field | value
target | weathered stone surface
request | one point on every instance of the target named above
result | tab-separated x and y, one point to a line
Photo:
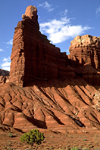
33	56
85	52
4	72
4	76
55	105
4	79
31	12
46	102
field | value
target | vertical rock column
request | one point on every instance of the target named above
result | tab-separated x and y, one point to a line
21	46
17	57
96	61
33	56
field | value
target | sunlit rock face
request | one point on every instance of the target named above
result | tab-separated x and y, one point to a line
35	58
58	95
31	12
86	50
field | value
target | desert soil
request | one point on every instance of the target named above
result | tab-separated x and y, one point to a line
53	141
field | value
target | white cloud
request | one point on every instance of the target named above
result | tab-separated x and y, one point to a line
47	6
6	64
98	10
1	50
64	13
10	42
61	30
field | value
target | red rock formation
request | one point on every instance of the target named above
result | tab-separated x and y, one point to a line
4	76
85	52
56	105
33	56
4	72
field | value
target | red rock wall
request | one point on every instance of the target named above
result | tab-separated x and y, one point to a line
33	56
85	50
85	53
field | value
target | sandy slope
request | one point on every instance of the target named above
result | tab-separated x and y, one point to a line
64	105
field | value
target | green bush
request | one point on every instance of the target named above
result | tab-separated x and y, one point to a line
33	136
74	148
10	135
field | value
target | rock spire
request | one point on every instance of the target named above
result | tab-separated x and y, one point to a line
33	56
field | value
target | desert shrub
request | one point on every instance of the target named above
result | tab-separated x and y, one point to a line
74	148
84	139
33	136
10	135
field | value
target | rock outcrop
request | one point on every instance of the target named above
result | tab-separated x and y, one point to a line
85	53
4	76
33	56
44	101
85	50
4	72
31	12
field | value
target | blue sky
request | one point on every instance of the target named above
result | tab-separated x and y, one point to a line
60	20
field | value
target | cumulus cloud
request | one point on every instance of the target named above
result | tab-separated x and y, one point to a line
47	6
6	64
1	50
61	30
10	42
98	10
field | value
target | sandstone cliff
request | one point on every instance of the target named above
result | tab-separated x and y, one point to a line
47	88
33	56
85	52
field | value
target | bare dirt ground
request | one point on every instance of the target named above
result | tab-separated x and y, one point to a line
89	140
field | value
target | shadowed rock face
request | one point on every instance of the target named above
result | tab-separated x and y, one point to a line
4	76
4	72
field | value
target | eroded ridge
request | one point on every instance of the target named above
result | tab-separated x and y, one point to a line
54	105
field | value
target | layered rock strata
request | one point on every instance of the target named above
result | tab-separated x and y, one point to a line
85	53
85	50
33	56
